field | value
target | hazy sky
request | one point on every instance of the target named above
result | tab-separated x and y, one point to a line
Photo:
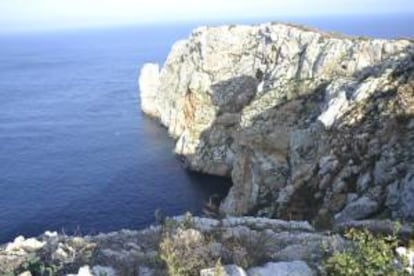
55	14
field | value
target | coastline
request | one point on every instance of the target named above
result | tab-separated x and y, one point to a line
310	158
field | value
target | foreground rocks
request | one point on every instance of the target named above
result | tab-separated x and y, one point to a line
294	268
243	246
137	252
308	125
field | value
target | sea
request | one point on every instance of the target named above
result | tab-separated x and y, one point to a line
77	156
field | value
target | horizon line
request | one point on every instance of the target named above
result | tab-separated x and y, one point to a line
196	23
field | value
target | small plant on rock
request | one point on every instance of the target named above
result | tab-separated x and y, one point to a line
219	269
367	255
37	266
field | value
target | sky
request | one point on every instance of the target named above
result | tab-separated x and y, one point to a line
26	15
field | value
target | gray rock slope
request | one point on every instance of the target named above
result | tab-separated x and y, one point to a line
309	125
129	252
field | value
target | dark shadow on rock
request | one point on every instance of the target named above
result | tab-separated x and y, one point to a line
233	94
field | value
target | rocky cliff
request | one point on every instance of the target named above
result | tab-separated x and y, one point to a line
309	125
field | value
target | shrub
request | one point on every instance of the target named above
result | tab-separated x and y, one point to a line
37	266
184	250
250	249
367	255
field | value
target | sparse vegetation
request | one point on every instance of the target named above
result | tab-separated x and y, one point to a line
185	250
368	255
249	250
219	269
37	266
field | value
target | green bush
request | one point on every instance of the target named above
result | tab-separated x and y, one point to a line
37	266
367	255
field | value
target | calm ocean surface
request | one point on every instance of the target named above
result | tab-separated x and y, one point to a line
76	154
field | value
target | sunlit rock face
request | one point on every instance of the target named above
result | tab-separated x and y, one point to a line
149	81
307	124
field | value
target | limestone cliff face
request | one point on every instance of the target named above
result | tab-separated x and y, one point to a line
308	125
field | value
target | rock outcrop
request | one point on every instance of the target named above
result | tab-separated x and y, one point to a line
249	246
292	247
308	125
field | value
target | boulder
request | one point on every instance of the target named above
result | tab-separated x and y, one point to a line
27	245
295	268
227	270
358	209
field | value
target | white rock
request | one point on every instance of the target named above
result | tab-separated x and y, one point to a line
409	255
229	270
60	254
21	244
50	234
337	103
295	268
83	271
148	85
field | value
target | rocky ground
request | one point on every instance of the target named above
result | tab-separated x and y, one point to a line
259	246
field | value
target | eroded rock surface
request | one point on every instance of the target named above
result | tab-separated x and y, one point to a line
307	124
128	252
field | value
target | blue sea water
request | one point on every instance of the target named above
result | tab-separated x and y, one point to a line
76	153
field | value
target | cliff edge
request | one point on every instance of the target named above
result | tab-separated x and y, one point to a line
308	125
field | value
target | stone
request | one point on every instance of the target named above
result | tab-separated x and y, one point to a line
336	202
83	271
363	182
21	244
145	271
358	209
104	270
228	270
351	197
293	253
295	268
400	197
336	104
327	164
51	234
407	254
407	197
